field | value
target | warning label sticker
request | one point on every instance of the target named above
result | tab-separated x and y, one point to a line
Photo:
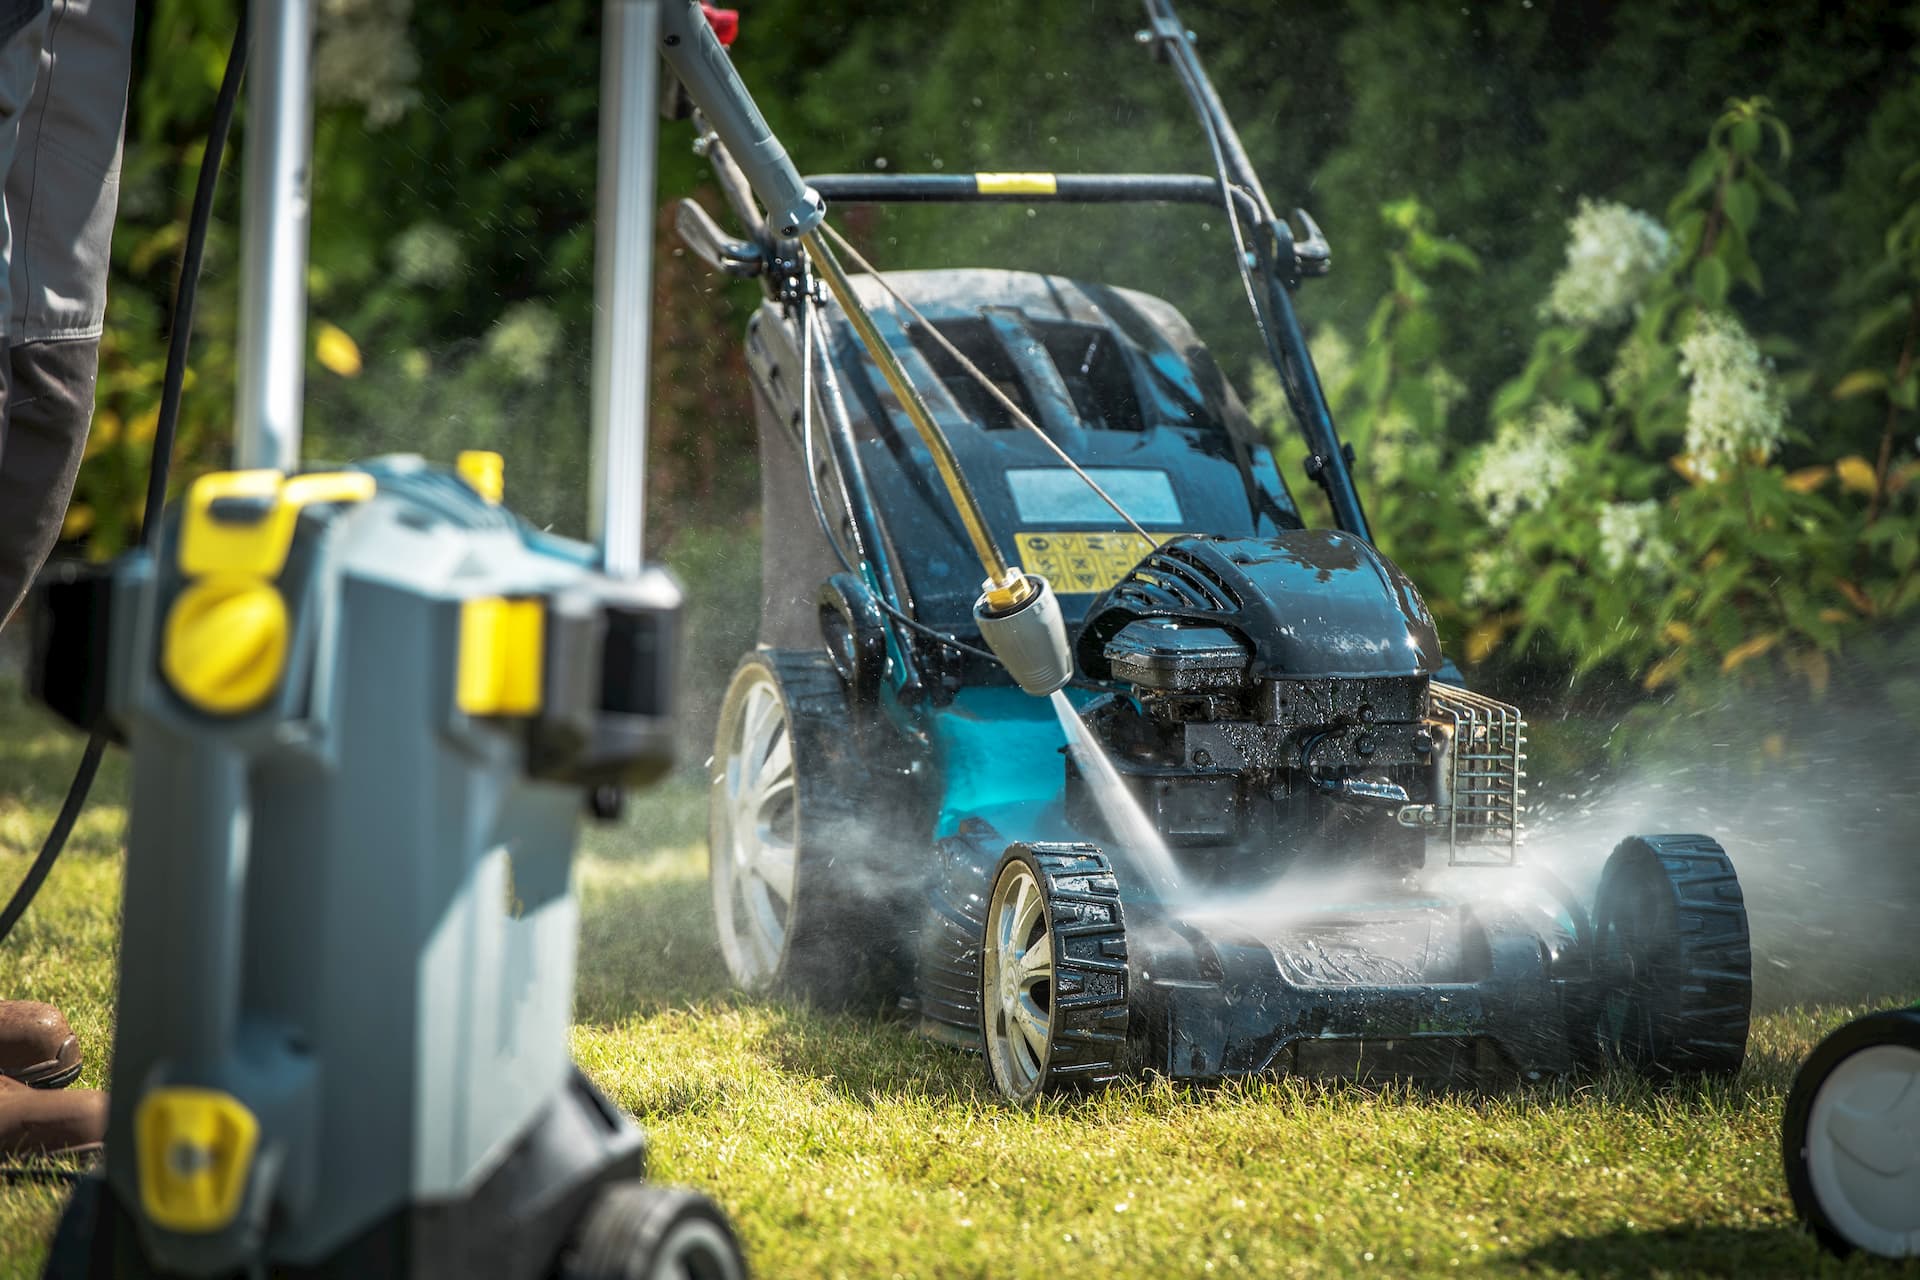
1083	563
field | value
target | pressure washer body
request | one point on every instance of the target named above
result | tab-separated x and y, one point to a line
1326	875
365	708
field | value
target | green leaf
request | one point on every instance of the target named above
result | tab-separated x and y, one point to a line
1742	204
1879	319
1773	191
1906	392
1745	136
1710	282
1585	395
1859	383
1687	229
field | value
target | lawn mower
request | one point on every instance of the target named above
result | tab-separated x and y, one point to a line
367	708
1186	786
1851	1136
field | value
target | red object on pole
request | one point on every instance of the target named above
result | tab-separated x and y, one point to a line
725	22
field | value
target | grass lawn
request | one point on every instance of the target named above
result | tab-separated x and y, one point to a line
848	1147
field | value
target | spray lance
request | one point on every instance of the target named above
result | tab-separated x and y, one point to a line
1017	612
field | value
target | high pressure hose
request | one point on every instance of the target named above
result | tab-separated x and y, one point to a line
163	436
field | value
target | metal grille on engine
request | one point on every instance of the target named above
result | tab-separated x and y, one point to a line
1482	776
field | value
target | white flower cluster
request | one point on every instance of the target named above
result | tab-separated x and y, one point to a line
524	341
426	253
1630	538
1526	463
1734	405
1492	579
361	54
1612	254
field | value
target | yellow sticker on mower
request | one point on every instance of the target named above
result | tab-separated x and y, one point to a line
1083	563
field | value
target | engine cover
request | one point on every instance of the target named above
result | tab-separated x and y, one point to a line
1307	603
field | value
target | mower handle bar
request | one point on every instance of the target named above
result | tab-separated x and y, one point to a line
1310	255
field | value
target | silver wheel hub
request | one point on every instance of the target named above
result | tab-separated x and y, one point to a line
755	832
1017	965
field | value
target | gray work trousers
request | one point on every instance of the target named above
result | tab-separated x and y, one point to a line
63	98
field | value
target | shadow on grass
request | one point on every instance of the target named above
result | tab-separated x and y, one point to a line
647	946
1784	1249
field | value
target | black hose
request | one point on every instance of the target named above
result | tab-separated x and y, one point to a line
163	436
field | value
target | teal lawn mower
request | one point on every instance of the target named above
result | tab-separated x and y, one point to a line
367	708
1065	732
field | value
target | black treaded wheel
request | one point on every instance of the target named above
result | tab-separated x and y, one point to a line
636	1231
1847	1137
801	896
1673	964
1053	972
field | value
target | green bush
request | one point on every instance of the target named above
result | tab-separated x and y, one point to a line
1662	494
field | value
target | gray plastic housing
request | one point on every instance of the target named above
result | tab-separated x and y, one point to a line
352	907
1031	640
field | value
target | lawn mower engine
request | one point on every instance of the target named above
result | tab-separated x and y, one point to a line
1276	697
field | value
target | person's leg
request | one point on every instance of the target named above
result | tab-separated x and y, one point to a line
62	189
61	162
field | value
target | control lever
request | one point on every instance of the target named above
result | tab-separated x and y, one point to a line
1312	255
740	259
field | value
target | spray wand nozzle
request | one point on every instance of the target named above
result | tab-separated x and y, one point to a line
1019	618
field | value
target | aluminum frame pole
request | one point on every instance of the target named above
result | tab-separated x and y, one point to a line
271	381
623	281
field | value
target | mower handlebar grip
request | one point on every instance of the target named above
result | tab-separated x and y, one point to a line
688	44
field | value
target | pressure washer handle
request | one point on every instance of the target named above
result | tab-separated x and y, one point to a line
691	48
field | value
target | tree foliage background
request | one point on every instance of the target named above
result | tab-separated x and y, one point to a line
1444	148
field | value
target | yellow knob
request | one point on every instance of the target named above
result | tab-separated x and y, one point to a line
484	470
225	643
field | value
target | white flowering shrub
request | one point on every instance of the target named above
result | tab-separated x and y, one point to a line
1613	254
362	55
1645	502
524	341
427	253
1734	407
1527	464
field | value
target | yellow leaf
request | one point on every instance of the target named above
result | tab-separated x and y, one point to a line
1857	474
1807	479
1664	670
1831	614
1859	382
335	350
1713	559
141	429
1676	632
79	520
1859	599
106	430
1747	650
1683	463
1484	639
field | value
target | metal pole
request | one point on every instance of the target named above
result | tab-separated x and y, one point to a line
999	573
273	271
623	280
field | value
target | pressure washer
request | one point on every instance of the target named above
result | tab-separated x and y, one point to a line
1288	837
1850	1136
366	709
